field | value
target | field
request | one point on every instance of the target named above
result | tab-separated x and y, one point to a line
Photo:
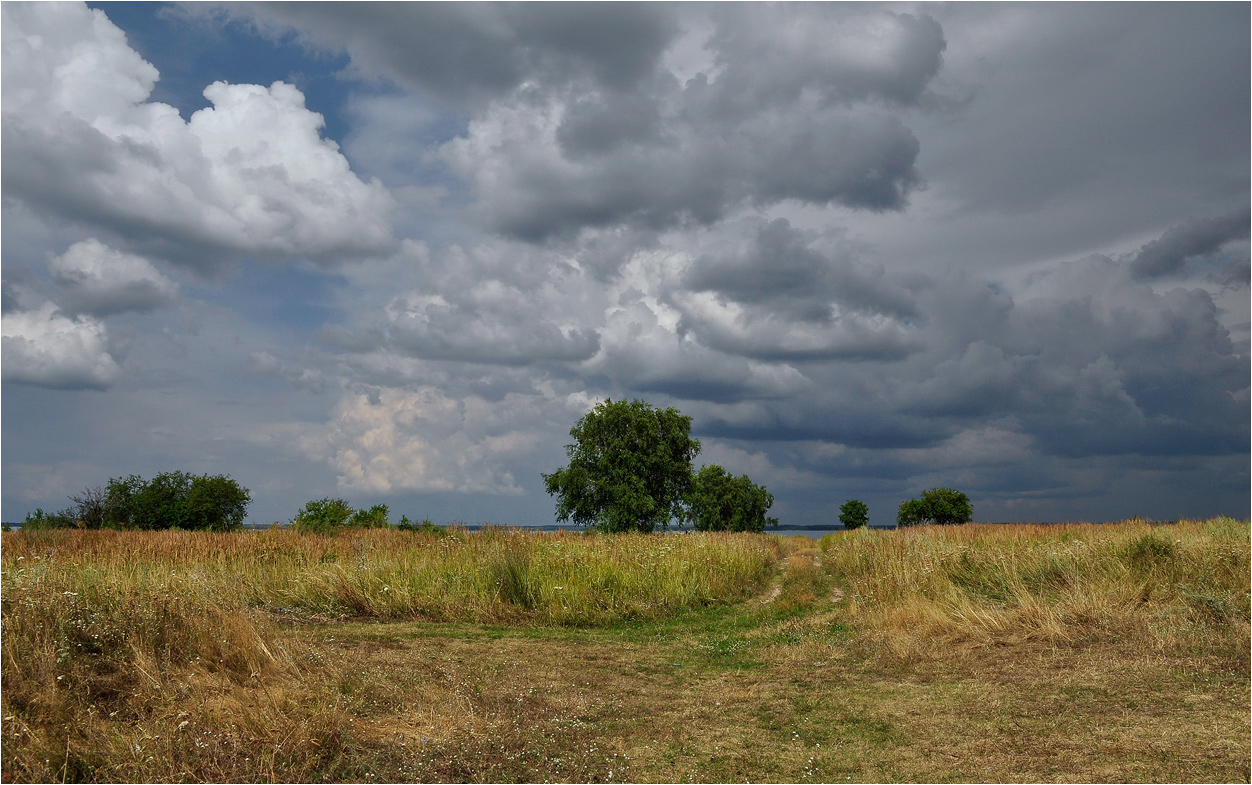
965	653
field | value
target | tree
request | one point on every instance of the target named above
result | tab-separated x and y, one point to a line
90	509
215	504
373	518
322	516
629	468
937	505
722	502
854	514
43	520
175	500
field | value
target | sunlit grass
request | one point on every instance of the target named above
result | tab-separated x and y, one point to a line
1160	585
493	575
1113	652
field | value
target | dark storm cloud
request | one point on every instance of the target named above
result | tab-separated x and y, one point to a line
1233	275
1195	238
578	124
526	187
1143	100
462	52
775	294
779	268
596	125
770	54
1087	362
1082	361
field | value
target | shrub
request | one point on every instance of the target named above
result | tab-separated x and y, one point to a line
322	516
171	500
214	504
937	505
373	518
722	502
629	469
854	514
90	509
43	520
422	527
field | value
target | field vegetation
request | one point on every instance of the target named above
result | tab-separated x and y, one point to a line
954	653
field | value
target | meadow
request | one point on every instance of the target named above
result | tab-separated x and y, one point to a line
1115	652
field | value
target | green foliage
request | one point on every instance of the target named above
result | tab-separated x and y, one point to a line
322	516
215	504
422	527
854	514
43	520
722	502
171	500
937	505
629	469
373	518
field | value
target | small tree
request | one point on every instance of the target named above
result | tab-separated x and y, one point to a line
373	518
43	520
722	502
629	468
854	514
937	505
322	516
215	504
90	508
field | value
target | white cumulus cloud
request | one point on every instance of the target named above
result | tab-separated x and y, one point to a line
250	174
420	440
101	280
44	347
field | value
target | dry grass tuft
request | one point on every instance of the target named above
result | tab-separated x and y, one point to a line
1164	587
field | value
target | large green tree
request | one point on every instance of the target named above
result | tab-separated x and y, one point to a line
723	502
629	468
937	505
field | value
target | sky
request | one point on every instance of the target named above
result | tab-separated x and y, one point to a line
392	253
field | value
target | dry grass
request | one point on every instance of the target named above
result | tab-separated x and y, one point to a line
494	575
1162	587
970	665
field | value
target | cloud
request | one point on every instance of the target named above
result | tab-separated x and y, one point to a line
641	353
496	303
1088	362
101	280
1189	240
771	292
248	175
45	348
472	53
772	54
575	120
309	379
694	167
421	440
431	328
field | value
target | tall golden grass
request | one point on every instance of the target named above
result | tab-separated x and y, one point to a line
1159	585
494	575
101	626
168	656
